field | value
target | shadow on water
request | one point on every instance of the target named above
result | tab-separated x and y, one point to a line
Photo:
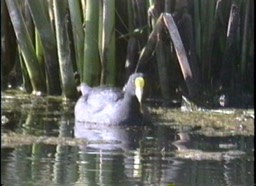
41	145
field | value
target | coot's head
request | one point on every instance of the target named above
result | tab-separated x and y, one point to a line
135	85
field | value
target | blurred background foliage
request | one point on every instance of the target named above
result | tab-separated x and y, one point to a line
49	46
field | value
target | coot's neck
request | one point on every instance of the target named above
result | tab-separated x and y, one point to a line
130	109
132	101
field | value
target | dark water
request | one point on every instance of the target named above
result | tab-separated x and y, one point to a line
115	155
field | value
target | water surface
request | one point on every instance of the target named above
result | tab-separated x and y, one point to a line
40	147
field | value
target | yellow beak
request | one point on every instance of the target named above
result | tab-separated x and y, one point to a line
139	85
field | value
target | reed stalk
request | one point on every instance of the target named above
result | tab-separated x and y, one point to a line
64	53
26	46
76	16
108	63
91	68
42	23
